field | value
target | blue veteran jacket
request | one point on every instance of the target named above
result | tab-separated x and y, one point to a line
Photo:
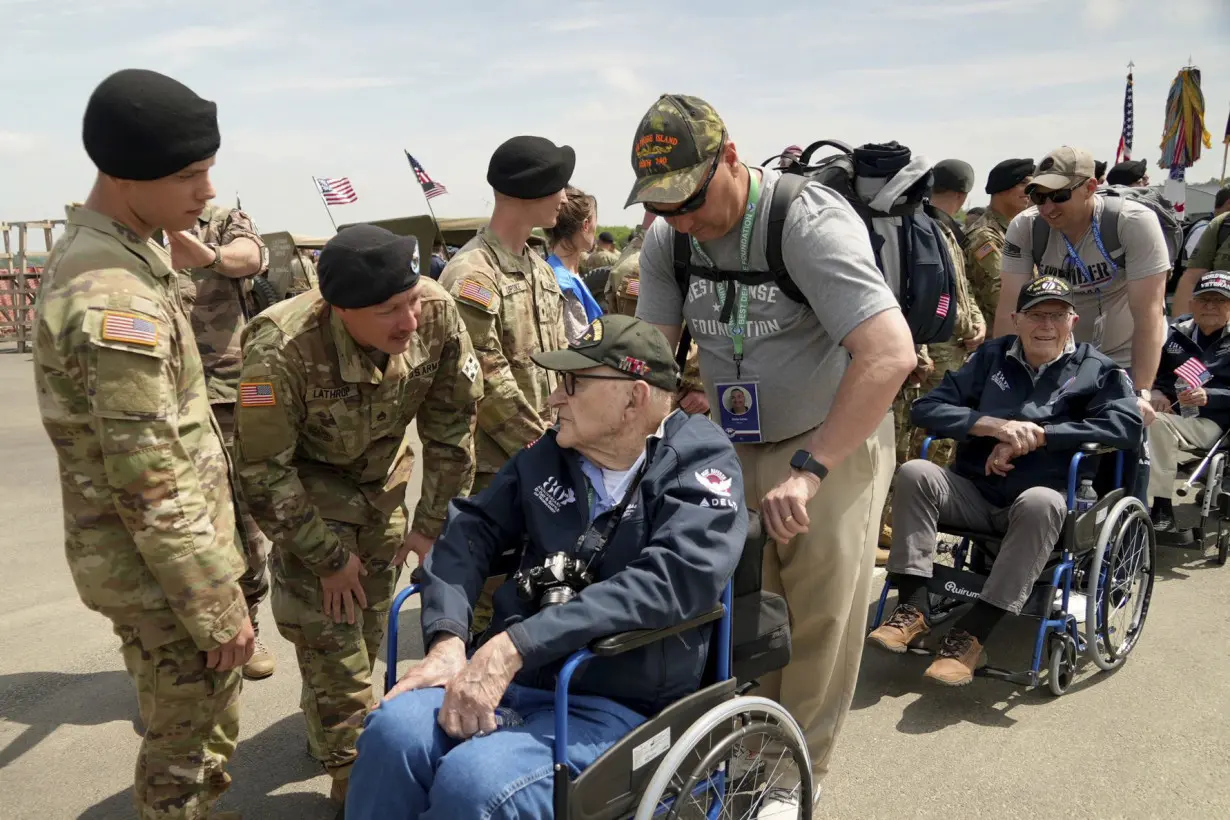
1181	345
1081	397
669	559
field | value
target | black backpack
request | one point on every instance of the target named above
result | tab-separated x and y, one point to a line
924	270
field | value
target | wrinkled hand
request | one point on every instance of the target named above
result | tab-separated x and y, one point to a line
694	402
471	696
443	663
1000	461
1024	436
1196	397
1146	411
235	652
784	508
977	339
342	588
187	251
420	545
1160	403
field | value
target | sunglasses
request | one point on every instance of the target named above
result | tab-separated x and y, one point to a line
569	380
1058	197
697	200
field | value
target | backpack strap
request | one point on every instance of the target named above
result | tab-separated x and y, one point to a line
1112	206
787	189
682	254
1040	235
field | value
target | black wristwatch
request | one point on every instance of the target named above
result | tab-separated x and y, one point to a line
802	460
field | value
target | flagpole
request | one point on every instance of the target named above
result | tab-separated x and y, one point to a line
1224	154
435	222
321	194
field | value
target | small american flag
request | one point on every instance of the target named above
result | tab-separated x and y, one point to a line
258	394
477	293
1124	152
124	327
1193	372
336	191
941	310
634	287
431	188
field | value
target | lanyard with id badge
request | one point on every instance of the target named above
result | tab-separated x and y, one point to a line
1099	324
738	401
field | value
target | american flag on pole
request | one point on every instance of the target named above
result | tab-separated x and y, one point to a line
431	188
941	309
1193	372
336	191
1124	151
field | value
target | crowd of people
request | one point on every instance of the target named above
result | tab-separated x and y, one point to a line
624	439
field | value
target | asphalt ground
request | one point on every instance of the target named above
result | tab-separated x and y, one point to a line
1149	740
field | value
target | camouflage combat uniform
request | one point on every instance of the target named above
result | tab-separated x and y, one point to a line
325	464
219	307
599	258
984	260
144	478
512	306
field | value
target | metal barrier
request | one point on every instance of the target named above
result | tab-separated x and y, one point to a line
20	271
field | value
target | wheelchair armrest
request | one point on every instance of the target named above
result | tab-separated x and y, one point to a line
636	638
1090	448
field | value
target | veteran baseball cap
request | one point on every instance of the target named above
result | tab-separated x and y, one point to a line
1215	281
1063	168
622	342
1044	289
675	146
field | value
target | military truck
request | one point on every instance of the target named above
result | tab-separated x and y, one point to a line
292	267
454	232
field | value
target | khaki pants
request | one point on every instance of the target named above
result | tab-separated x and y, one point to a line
825	575
1169	436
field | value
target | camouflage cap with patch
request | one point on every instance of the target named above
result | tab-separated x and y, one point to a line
1063	168
675	145
630	345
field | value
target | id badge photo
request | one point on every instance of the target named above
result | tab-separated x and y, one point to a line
739	411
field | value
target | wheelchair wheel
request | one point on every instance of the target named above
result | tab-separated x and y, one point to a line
700	776
1062	669
1119	583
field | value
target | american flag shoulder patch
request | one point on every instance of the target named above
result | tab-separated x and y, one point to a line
634	287
118	326
473	291
982	252
256	394
941	309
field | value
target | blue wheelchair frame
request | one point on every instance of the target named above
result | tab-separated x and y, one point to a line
1061	573
562	774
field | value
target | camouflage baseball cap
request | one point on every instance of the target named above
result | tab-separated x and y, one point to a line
1063	168
675	145
622	342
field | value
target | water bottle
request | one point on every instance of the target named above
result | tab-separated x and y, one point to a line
1086	496
1181	386
506	718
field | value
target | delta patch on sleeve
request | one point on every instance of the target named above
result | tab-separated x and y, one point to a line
257	394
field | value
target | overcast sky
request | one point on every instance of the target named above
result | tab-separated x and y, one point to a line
308	87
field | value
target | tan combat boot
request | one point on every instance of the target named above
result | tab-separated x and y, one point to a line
959	657
902	628
261	664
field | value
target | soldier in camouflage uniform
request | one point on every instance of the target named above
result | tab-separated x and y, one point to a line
218	300
604	254
331	381
985	235
149	524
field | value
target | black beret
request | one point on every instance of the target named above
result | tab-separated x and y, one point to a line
1127	172
530	167
365	265
1009	174
144	125
953	175
1099	168
606	236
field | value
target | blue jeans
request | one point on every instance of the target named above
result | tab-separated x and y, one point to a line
408	768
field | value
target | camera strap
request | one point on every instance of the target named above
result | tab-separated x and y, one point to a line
593	541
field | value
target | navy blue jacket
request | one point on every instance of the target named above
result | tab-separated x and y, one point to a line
671	556
1082	397
1180	346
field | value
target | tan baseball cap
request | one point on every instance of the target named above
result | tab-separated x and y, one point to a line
1063	168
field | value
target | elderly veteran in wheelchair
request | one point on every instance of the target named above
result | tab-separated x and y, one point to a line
631	517
1019	409
1192	391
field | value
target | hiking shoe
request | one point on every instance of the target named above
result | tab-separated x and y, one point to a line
261	664
902	628
959	656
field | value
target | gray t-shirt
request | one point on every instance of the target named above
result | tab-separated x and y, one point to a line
793	352
1144	255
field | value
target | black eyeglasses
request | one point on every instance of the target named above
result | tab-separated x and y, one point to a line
569	380
697	200
1058	197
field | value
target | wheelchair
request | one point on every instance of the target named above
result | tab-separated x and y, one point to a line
685	761
1092	596
1201	503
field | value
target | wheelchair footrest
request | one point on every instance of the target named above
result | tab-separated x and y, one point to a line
1022	678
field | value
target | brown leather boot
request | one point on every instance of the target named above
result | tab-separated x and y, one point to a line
902	628
959	657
